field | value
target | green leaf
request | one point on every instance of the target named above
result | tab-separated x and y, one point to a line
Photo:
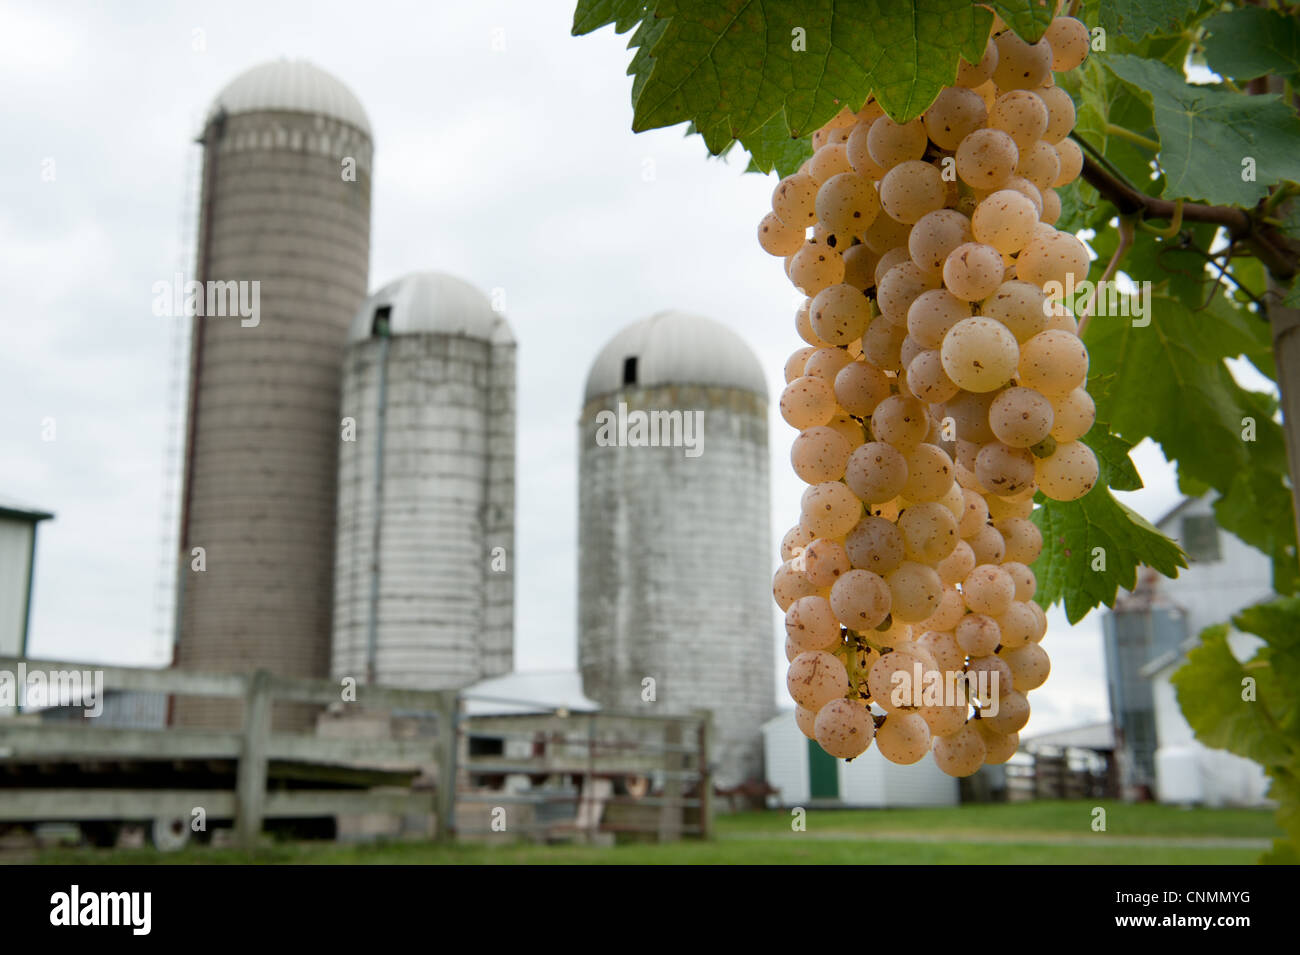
1251	41
1028	18
1170	383
1072	530
591	15
772	147
1136	19
1207	134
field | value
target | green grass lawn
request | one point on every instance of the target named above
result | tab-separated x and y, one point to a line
1041	833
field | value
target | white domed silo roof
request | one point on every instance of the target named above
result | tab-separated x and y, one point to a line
676	348
294	86
432	302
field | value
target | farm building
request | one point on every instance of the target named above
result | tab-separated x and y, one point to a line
18	523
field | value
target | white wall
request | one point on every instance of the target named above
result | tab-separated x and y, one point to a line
15	554
785	753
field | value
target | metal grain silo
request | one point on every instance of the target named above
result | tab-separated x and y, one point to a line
285	204
674	544
424	579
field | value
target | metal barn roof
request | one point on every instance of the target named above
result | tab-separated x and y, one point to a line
293	86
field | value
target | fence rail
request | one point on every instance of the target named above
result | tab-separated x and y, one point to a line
268	775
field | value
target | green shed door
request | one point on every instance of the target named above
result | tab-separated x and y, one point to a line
823	774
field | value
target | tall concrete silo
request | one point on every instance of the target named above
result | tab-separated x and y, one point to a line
424	579
286	205
674	541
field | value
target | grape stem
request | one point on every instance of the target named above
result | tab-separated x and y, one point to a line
1110	129
1125	240
1277	253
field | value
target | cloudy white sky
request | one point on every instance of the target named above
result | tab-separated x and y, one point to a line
503	155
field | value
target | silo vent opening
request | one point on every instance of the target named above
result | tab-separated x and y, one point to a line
629	370
379	326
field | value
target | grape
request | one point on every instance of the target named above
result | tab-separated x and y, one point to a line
1074	414
1071	157
823	561
942	645
890	144
824	236
1053	363
831	160
943	720
870	112
830	509
1019	306
1069	40
1018	625
988	589
972	271
777	238
860	599
932	314
794	541
860	266
795	363
954	498
814	267
1004	470
987	543
1026	584
956	113
976	74
825	363
1004	220
934	236
825	137
847	203
1051	207
890	259
1021	115
844	728
961	753
807	402
882	343
1021	65
904	738
810	624
1060	113
1000	746
788	585
803	325
1003	507
1069	473
907	351
1041	614
859	156
815	678
1040	163
987	158
1053	260
1023	539
875	544
979	354
1020	418
915	590
970	414
806	721
948	614
978	634
929	475
849	429
995	682
876	472
859	387
926	378
900	287
839	314
911	190
883	234
1012	715
886	685
1027	189
929	532
1029	665
900	421
975	514
794	200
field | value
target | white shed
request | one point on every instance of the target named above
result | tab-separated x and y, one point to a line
17	559
805	775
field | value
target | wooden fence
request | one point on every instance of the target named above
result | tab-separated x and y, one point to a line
387	775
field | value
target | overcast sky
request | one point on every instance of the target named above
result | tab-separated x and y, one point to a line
503	154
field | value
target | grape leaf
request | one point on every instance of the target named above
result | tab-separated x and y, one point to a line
1028	18
1136	19
1070	566
1171	384
591	15
1207	134
772	147
1251	41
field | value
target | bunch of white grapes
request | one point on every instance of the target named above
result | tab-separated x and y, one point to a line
941	385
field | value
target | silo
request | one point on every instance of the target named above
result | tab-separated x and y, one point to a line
424	578
674	542
285	205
